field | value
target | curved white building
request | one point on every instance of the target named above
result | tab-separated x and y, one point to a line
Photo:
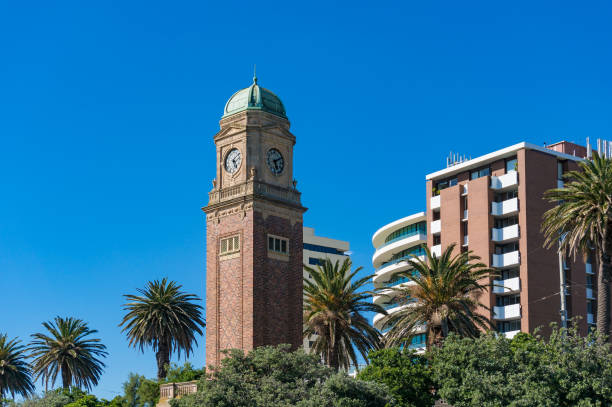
394	244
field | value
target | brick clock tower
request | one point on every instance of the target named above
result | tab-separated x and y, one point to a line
254	231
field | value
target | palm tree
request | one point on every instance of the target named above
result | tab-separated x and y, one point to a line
333	307
584	219
15	374
68	351
165	318
443	298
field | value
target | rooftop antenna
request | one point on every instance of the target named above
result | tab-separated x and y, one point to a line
589	149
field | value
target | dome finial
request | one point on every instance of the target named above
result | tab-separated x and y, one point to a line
255	74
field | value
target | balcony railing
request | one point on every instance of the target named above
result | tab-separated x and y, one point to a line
505	207
506	259
589	293
507	311
504	181
506	233
436	226
435	202
590	318
506	286
436	250
405	236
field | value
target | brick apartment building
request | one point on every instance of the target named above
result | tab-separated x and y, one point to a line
493	206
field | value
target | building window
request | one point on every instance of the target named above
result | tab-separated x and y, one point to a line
506	248
502	301
504	222
278	245
230	245
509	326
436	216
437	240
504	196
407	231
418	341
511	164
590	307
560	170
315	262
465	228
322	249
440	185
509	273
480	172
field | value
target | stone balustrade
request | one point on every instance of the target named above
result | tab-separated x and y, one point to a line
172	390
254	187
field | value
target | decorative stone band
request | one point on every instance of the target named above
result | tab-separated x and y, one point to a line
254	187
172	390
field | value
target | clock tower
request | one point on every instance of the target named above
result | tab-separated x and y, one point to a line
254	230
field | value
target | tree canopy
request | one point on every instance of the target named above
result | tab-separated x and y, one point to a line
275	377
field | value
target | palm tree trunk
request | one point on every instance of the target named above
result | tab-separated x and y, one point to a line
163	360
603	287
66	377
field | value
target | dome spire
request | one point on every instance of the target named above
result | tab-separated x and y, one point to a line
255	74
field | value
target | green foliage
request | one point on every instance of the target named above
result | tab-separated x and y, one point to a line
333	310
184	373
164	318
407	375
15	374
275	377
444	293
139	391
490	371
72	397
68	351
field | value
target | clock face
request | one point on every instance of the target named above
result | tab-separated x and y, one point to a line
233	160
276	162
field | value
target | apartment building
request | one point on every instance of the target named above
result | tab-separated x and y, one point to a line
394	244
493	206
316	250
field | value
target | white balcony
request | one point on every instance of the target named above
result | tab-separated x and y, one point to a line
507	207
504	181
378	317
464	190
511	334
506	259
505	234
436	250
435	202
507	312
465	215
466	240
590	319
506	286
385	272
589	294
385	253
589	268
435	227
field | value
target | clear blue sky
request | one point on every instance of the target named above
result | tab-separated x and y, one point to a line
107	113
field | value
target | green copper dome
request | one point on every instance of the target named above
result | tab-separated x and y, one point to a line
254	98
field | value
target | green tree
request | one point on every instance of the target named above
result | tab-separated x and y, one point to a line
583	217
492	371
444	298
15	372
333	310
184	373
68	350
164	318
407	375
275	377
